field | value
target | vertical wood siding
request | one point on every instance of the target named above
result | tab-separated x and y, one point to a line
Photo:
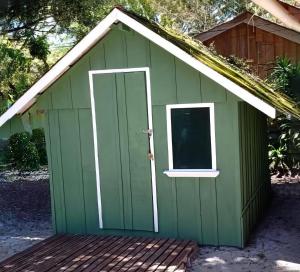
255	179
205	209
258	46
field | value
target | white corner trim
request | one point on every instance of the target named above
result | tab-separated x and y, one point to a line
146	70
97	33
192	173
171	170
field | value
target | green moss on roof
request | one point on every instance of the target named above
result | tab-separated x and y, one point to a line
245	80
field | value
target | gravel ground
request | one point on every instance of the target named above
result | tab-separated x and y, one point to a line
21	228
275	246
17	235
17	176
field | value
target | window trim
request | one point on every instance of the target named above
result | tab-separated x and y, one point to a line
213	172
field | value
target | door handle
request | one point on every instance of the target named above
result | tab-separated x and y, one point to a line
150	156
148	131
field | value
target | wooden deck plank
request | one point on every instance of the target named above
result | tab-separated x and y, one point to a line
102	253
118	254
88	260
137	245
164	255
108	256
80	250
28	251
133	256
147	263
47	255
150	250
64	266
68	251
98	254
182	259
87	255
15	258
171	256
35	254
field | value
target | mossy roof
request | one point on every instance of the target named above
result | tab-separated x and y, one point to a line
249	82
241	81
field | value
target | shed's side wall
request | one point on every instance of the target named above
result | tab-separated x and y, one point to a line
205	209
255	178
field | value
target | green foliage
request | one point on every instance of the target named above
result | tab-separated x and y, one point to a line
38	138
286	77
32	25
277	158
39	47
17	72
284	149
22	152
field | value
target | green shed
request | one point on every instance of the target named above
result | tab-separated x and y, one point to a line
149	133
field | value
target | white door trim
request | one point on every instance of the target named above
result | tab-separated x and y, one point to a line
146	70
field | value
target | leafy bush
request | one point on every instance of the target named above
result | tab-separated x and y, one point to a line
38	138
284	147
22	152
286	77
284	131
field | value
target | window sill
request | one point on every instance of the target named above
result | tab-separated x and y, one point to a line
192	173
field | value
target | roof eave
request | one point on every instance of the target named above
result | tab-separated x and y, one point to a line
252	20
97	33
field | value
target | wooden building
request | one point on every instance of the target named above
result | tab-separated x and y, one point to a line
150	134
255	39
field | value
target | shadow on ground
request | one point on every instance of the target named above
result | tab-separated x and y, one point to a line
275	246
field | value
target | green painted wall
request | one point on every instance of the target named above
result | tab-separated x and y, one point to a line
208	210
255	177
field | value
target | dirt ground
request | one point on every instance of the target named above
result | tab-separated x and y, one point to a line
25	216
17	235
275	245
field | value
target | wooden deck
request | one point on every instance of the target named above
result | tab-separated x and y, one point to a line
102	253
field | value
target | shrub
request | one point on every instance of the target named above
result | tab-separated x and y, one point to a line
38	138
284	131
22	152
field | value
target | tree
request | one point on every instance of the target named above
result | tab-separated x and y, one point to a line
29	27
17	72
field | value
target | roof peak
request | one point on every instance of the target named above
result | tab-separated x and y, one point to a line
193	53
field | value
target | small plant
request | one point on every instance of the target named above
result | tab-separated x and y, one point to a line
22	152
286	77
284	131
38	138
284	147
277	158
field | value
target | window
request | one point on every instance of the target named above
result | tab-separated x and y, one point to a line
191	140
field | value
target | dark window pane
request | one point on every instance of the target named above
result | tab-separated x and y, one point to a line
191	138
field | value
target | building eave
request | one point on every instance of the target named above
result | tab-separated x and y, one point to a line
97	33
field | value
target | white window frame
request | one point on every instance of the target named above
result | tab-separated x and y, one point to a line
213	172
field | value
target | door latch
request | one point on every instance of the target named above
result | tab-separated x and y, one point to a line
148	131
150	156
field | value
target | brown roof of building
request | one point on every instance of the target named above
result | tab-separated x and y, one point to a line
255	21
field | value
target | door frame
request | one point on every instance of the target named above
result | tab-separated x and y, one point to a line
146	70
